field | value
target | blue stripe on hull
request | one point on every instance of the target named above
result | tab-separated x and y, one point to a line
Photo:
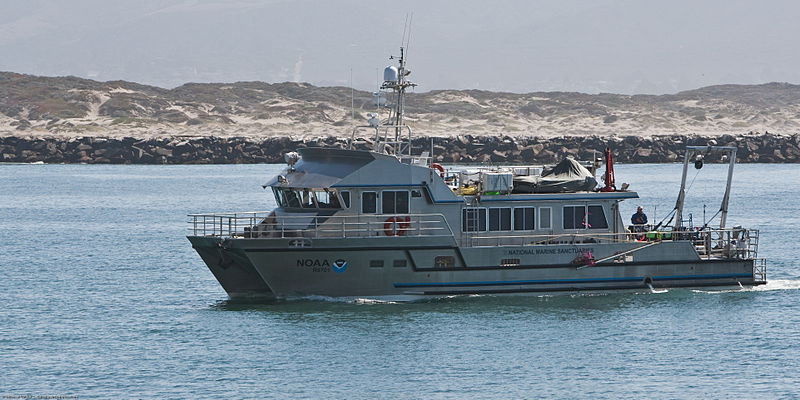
562	281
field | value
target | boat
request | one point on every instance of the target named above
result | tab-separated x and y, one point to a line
385	222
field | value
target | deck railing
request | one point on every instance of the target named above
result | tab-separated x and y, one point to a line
263	224
760	270
709	243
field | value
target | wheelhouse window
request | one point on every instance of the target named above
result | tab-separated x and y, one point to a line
327	199
545	218
369	202
307	198
394	202
287	197
473	219
500	219
524	218
280	197
345	198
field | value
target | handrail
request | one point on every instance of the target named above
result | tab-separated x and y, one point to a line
260	224
760	270
709	243
712	243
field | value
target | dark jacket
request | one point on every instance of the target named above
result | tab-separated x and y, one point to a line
639	218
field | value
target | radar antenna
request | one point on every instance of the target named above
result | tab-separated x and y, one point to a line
396	79
398	82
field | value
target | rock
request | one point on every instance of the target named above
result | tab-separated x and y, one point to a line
527	154
163	152
760	148
643	153
498	156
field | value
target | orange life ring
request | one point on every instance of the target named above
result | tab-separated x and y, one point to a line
396	226
439	168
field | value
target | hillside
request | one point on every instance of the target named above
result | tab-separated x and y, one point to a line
72	107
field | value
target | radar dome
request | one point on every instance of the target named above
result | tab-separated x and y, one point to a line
390	74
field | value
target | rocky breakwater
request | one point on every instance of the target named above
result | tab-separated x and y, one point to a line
763	148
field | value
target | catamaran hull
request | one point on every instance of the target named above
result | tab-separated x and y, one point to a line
402	272
231	268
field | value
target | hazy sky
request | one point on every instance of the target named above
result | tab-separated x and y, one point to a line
619	46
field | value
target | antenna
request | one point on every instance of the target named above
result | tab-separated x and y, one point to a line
352	97
408	39
405	27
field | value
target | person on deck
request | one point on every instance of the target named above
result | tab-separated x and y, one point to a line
640	218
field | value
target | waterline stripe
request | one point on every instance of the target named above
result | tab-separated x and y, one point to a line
583	280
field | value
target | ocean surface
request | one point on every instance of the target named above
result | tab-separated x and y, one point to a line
102	296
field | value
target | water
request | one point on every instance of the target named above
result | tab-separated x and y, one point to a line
103	297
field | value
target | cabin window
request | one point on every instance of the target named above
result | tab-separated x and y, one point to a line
574	217
369	202
597	218
307	199
399	263
524	218
545	219
376	263
345	198
395	202
473	219
500	219
280	198
292	198
581	217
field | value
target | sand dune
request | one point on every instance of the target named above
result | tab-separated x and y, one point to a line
70	107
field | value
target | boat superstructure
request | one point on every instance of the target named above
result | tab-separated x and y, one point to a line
385	223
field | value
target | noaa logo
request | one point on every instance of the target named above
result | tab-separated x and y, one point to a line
339	266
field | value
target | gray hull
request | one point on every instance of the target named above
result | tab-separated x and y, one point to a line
232	268
406	268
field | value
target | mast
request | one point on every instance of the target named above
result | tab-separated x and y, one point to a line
682	192
395	78
724	207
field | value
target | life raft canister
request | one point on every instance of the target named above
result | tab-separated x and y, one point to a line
396	226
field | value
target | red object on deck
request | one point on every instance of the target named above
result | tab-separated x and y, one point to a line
609	175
